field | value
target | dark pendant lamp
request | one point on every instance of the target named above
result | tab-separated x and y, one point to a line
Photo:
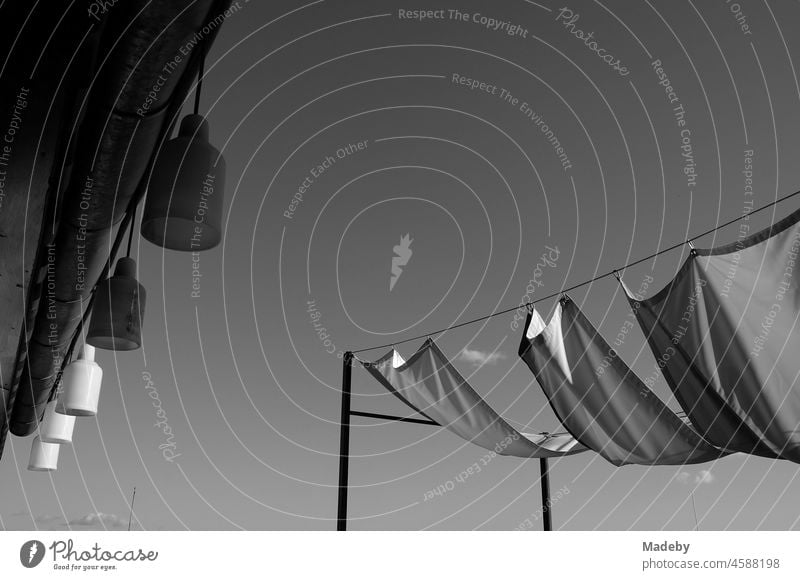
183	210
119	306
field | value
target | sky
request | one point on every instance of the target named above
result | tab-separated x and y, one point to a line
373	115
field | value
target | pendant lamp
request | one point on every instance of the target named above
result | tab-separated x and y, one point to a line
44	456
183	210
118	310
81	382
56	427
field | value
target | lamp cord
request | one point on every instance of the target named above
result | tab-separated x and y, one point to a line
200	74
584	283
130	231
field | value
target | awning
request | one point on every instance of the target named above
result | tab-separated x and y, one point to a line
599	399
725	333
430	385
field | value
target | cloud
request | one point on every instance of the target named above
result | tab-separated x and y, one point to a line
93	521
682	477
701	477
705	476
479	358
99	520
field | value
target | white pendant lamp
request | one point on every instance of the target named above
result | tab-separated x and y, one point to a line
44	456
55	427
81	381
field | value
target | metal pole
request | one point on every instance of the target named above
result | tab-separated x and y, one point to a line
547	523
344	442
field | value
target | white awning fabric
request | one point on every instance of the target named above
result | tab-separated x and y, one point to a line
430	385
601	401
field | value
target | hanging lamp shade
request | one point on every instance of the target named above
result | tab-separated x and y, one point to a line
56	427
44	456
81	382
118	310
183	210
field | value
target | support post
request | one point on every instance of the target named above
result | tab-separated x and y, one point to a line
344	442
547	523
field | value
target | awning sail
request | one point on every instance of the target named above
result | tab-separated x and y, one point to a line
430	385
725	333
599	399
